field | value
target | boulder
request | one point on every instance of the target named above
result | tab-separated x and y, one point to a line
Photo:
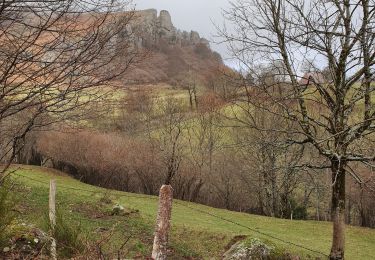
244	250
118	210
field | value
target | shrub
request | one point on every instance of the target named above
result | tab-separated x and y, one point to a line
300	212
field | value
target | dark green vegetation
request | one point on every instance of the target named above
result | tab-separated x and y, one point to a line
195	233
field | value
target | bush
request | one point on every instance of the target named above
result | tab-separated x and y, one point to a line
300	212
108	160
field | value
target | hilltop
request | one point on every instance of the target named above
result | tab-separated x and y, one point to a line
170	52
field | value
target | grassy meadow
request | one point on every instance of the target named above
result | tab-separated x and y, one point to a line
197	231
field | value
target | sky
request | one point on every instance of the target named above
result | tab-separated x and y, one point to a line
196	15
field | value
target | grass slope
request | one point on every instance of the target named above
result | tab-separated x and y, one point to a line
195	234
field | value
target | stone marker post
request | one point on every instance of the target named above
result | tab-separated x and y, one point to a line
52	216
159	249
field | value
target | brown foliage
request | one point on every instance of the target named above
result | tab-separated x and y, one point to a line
107	160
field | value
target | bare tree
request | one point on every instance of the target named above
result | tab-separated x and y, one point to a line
168	138
203	140
188	81
55	59
223	82
331	118
271	164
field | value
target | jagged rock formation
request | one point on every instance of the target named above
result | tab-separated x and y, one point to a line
170	52
165	24
148	28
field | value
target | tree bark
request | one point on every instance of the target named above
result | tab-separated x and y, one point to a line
159	250
338	210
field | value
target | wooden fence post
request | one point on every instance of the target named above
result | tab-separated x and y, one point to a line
52	216
159	249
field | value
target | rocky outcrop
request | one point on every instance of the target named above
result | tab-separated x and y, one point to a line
149	27
194	37
165	25
171	51
204	41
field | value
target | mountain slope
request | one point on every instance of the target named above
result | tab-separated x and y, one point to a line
197	231
170	52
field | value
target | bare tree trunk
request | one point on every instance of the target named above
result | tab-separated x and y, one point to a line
159	250
195	96
190	98
338	210
196	190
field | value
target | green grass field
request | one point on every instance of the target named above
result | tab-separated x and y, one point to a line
197	231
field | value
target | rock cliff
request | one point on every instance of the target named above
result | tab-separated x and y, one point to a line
149	27
170	52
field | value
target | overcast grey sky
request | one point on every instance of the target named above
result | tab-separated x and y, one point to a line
196	15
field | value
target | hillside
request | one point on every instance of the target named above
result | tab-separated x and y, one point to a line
169	52
197	231
118	104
